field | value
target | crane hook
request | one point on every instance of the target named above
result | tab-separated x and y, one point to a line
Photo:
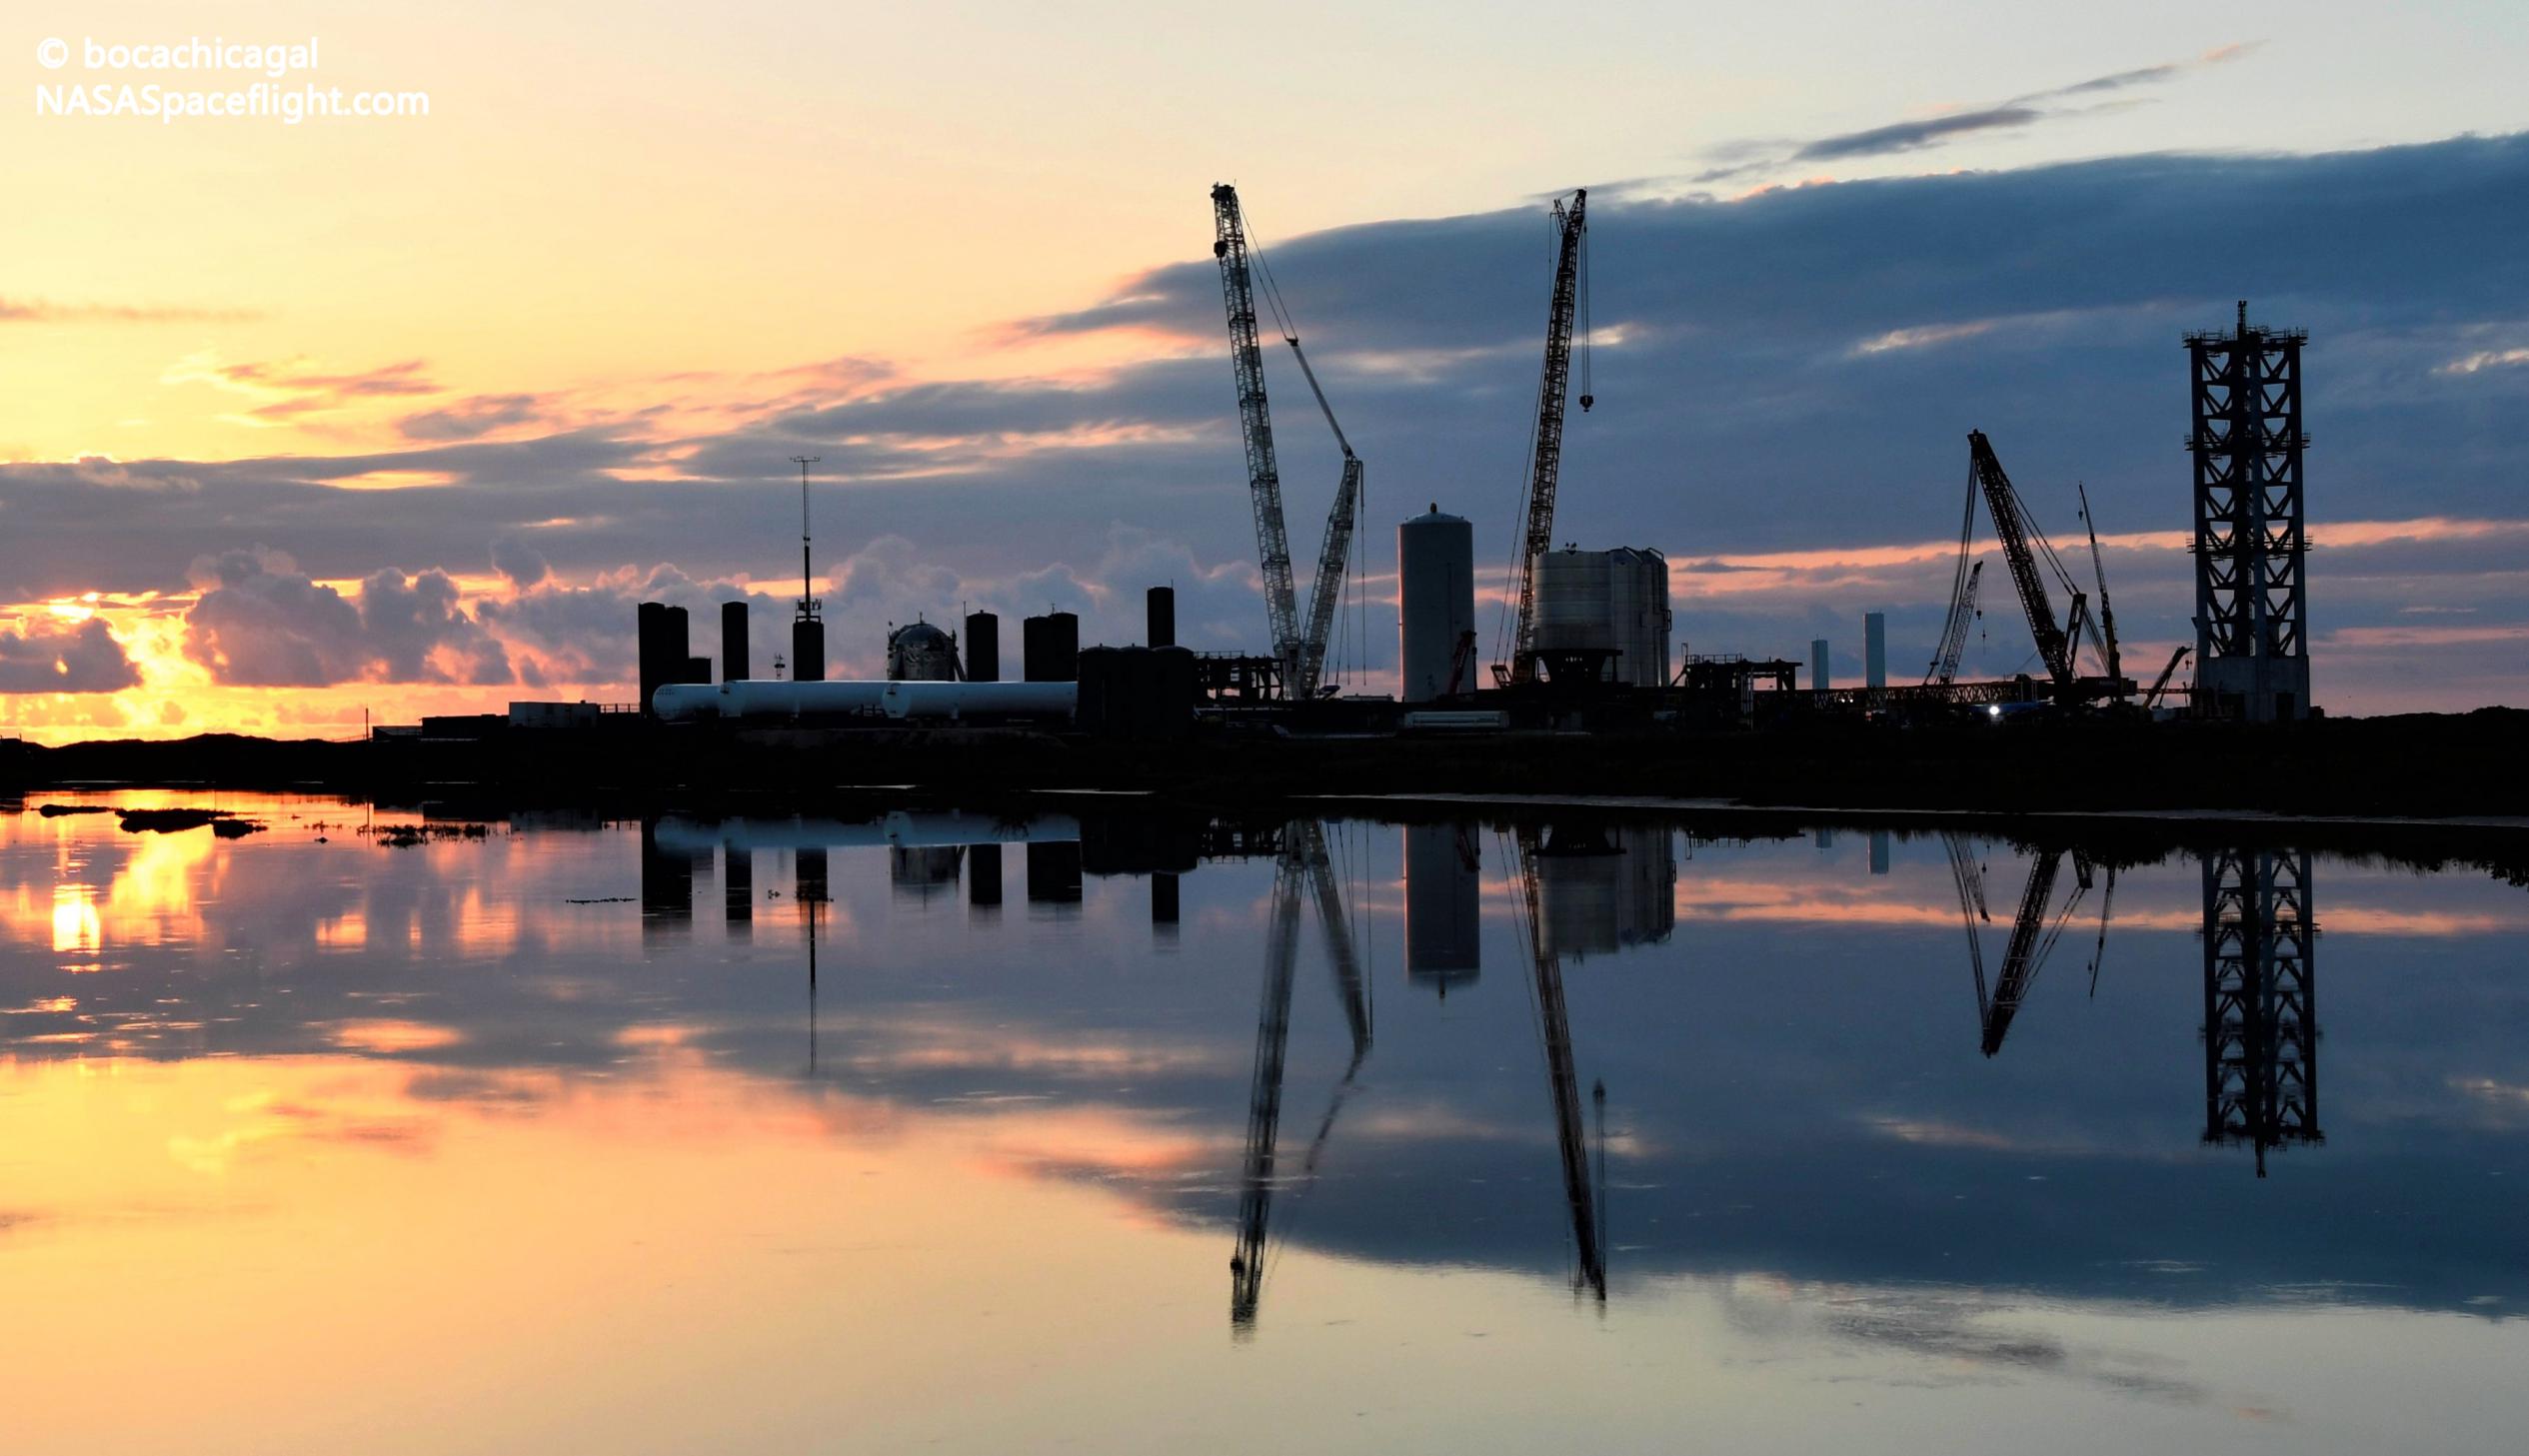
1587	400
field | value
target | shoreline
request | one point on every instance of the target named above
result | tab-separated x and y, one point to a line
2466	773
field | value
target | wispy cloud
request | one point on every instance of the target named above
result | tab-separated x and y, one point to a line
2485	359
1743	158
45	311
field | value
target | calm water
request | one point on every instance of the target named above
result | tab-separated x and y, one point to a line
544	1139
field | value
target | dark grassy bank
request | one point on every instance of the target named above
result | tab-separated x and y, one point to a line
2422	766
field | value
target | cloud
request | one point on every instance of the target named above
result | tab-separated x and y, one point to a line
2485	359
294	388
46	655
1908	136
2021	112
522	564
259	621
42	311
476	415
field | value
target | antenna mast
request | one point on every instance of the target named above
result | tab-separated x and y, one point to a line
807	602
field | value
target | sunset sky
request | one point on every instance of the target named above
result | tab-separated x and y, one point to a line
406	413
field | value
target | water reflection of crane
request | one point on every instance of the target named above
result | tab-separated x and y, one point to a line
2260	1001
2034	933
1302	860
1588	1203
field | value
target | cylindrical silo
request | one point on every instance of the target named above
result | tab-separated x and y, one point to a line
1574	602
1050	646
983	647
1637	602
660	647
732	642
1436	559
1160	608
1102	708
808	651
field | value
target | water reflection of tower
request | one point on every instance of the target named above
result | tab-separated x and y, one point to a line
2260	1001
1602	888
666	884
1444	906
922	871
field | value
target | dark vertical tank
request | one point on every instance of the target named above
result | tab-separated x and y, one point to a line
983	876
1054	874
666	884
1050	646
661	648
1172	692
732	642
1101	709
737	881
808	651
1160	608
696	670
983	647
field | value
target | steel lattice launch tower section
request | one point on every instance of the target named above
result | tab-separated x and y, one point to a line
2252	650
2260	1001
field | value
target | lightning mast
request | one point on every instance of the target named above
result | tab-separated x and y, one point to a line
807	604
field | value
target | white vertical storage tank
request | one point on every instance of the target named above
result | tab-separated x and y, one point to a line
1638	609
1436	562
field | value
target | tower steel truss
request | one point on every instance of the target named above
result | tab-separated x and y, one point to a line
2252	650
2260	1001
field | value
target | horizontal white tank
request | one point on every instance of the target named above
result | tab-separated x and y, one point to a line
693	702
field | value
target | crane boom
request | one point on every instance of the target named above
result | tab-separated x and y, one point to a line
1546	467
1302	652
1327	591
2022	956
1303	866
1256	423
2016	531
1265	1091
1349	982
2109	655
1554	1029
1953	635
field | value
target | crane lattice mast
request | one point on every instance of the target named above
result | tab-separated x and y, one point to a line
1545	466
1255	423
